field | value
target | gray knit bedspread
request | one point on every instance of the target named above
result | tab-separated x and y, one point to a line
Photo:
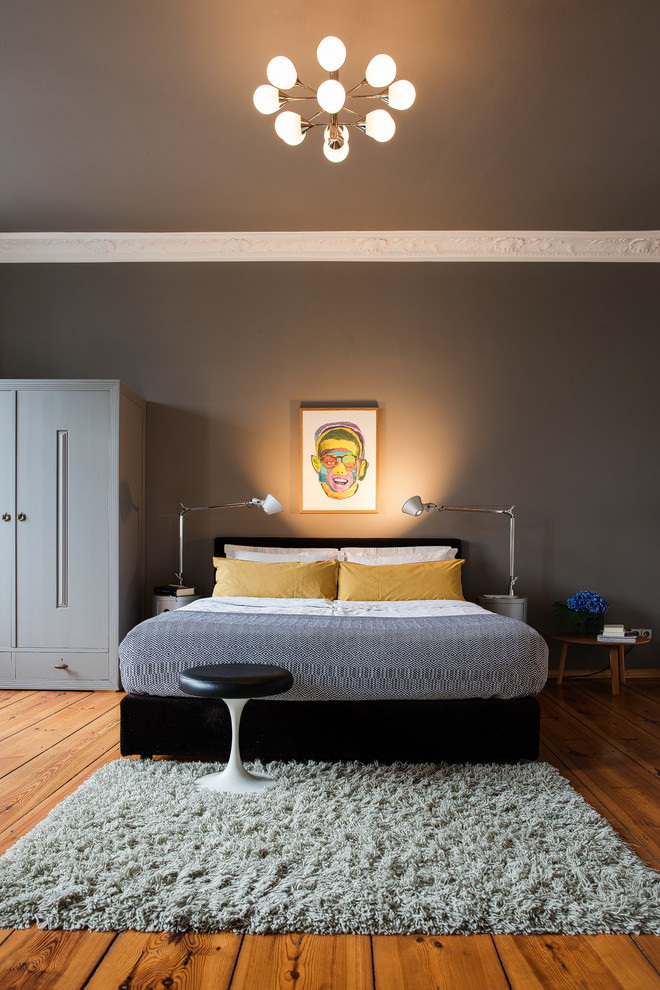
357	658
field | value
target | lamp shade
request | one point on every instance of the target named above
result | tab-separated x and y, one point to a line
288	126
379	125
401	94
413	506
335	154
267	98
269	504
331	53
281	72
380	71
331	95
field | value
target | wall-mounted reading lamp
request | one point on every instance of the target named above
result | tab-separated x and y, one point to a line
269	504
415	507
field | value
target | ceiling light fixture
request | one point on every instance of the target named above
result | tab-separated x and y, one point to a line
331	99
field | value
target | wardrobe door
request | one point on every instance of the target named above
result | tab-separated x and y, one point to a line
6	517
63	518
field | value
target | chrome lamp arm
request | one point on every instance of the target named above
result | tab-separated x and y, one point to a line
269	504
415	507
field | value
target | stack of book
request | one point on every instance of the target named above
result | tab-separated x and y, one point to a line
173	589
615	634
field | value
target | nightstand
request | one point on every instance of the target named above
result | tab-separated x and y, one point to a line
509	605
617	657
167	603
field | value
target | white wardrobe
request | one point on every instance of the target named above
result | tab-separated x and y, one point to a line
72	457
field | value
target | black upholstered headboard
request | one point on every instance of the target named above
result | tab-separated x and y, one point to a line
349	541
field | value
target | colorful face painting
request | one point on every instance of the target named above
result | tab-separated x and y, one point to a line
339	459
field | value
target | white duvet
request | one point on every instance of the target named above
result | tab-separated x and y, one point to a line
324	606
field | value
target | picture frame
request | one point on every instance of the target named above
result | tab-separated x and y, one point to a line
339	458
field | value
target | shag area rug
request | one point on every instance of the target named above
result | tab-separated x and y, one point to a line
330	848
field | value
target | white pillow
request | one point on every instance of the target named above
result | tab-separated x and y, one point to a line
415	558
397	555
280	554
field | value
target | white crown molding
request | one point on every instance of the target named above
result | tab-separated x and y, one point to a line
329	245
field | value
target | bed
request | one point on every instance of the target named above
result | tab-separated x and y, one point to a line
388	681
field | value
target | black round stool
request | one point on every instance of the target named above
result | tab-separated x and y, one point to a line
235	683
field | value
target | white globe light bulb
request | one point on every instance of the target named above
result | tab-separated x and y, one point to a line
335	154
331	53
380	71
288	126
401	94
266	99
331	95
281	72
379	125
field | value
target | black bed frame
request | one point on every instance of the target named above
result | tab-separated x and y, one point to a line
474	730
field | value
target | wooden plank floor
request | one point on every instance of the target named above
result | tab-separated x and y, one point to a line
609	748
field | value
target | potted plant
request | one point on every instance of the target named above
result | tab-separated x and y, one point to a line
584	612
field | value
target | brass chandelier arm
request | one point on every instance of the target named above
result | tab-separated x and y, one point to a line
371	96
305	86
347	123
382	95
349	92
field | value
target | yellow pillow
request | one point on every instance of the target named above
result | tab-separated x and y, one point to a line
253	579
400	582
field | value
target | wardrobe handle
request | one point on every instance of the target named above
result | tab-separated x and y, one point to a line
61	665
6	517
21	517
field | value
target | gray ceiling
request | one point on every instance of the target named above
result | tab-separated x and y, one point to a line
137	115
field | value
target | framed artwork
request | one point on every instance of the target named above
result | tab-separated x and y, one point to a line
338	459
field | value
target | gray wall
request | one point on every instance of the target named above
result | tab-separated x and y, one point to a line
530	115
498	383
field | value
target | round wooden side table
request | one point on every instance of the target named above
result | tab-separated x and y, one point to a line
617	659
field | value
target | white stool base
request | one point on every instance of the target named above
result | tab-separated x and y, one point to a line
235	779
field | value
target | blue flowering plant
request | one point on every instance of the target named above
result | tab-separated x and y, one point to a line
584	611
